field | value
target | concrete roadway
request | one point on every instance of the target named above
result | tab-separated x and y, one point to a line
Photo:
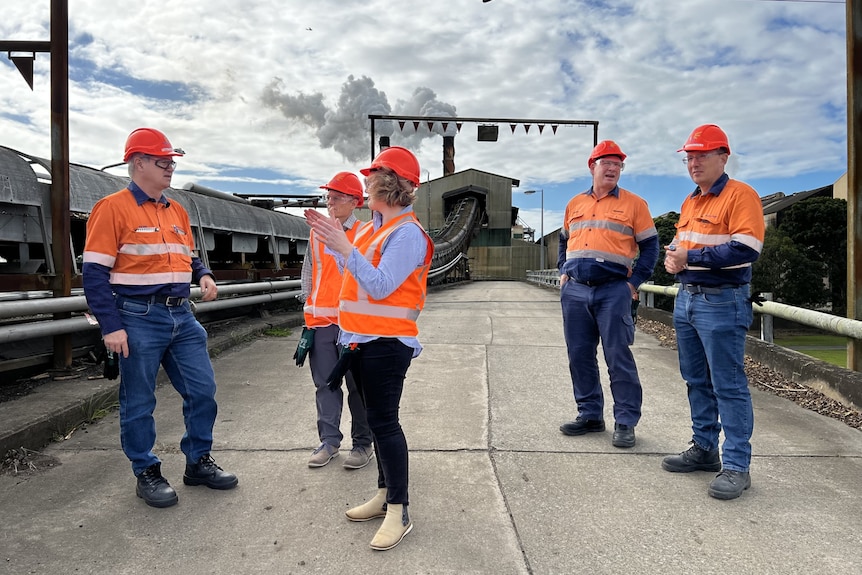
495	488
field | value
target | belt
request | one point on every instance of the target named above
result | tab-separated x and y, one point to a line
592	283
166	300
709	290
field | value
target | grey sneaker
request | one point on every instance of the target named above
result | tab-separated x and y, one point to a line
322	455
359	457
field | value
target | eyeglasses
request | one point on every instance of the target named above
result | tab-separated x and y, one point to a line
164	163
702	156
611	163
337	198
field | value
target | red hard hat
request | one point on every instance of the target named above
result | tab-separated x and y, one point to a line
149	141
346	183
606	148
705	138
399	160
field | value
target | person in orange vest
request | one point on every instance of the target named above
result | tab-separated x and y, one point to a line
719	236
321	286
608	247
385	276
138	267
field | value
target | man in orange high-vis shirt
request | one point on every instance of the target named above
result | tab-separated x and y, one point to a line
138	264
604	230
321	284
719	236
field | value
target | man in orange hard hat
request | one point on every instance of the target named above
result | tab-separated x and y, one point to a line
321	285
139	260
604	230
719	236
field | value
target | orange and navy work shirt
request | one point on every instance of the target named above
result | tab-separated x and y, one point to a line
601	238
321	306
396	314
137	247
723	231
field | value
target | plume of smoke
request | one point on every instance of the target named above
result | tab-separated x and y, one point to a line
346	128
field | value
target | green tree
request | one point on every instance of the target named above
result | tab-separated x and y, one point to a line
818	226
785	270
665	225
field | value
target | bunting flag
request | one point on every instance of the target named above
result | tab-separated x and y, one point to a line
541	127
458	126
401	124
513	126
430	126
526	128
554	128
445	125
416	125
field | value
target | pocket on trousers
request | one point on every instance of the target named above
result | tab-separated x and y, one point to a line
136	308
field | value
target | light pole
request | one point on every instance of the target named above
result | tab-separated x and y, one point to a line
541	224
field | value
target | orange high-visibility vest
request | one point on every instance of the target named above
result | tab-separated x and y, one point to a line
152	244
396	314
321	306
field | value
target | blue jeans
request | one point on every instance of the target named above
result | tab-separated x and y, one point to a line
710	336
173	338
590	313
322	357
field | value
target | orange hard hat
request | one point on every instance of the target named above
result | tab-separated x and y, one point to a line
705	138
605	148
149	141
399	160
346	183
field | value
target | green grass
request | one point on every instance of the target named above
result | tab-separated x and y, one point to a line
802	343
277	332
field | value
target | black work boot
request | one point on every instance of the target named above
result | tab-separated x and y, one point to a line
624	435
729	484
155	489
695	458
580	426
206	472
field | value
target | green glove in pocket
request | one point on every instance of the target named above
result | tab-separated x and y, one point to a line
306	340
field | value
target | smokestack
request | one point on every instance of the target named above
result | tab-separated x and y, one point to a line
448	155
384	142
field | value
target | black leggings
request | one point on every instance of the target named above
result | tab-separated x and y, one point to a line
379	372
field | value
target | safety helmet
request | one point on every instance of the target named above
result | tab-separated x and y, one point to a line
705	138
149	141
605	148
346	183
399	160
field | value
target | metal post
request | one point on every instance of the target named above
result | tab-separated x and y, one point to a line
766	329
854	175
542	228
60	226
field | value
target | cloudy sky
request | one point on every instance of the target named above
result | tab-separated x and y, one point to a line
272	97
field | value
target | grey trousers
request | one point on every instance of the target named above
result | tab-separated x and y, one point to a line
321	359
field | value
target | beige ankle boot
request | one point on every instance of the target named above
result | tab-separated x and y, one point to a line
395	526
371	509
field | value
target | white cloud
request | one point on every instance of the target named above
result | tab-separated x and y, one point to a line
771	73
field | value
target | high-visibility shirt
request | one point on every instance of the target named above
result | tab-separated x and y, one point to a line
321	306
723	231
396	314
601	238
137	247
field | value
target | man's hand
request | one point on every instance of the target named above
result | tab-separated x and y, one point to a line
675	260
117	342
209	289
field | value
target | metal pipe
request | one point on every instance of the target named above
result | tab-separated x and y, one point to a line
30	330
25	308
